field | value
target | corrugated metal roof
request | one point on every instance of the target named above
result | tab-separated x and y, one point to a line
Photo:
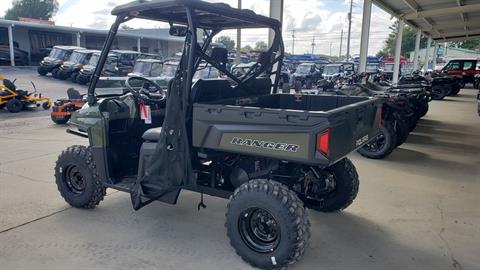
155	35
442	20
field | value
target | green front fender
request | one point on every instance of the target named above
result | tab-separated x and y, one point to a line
91	120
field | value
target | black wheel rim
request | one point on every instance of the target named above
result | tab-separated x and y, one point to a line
259	230
378	144
74	179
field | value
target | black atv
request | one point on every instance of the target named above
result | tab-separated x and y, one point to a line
272	155
439	86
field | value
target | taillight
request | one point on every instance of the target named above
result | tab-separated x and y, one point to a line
323	142
380	118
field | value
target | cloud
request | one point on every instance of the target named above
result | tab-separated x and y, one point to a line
322	19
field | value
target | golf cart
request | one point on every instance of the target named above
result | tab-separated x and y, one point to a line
272	154
75	63
55	59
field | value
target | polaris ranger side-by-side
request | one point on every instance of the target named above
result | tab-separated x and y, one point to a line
272	155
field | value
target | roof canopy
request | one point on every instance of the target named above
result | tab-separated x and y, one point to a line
442	20
207	15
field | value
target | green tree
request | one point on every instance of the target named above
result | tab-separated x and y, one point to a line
227	41
246	49
408	41
261	46
37	9
468	44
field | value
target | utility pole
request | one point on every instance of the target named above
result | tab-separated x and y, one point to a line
313	44
293	41
341	44
349	29
330	49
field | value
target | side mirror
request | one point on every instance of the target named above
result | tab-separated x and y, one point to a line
178	31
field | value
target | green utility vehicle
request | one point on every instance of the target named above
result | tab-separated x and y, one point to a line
273	155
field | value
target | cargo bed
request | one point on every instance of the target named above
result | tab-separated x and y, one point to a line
310	129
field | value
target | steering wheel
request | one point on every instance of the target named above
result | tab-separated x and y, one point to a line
145	93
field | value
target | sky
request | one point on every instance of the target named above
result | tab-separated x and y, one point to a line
321	20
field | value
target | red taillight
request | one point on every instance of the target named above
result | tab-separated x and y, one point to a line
323	142
380	118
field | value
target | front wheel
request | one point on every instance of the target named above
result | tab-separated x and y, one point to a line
77	178
343	188
42	71
382	145
55	72
267	224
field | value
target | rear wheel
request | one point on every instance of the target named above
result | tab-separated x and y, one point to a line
309	84
46	105
455	91
267	224
438	92
343	184
14	105
402	130
383	144
298	86
77	178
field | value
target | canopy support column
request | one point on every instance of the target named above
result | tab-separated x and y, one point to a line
239	39
398	52
78	40
367	14
417	49
276	12
427	53
434	56
139	44
10	43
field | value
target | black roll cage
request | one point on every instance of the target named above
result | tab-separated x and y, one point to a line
193	54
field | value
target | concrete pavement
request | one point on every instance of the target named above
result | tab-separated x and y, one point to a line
417	209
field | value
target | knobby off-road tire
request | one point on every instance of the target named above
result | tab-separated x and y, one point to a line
278	209
77	179
41	71
402	130
438	92
386	142
345	191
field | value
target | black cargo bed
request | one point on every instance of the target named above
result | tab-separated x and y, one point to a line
244	125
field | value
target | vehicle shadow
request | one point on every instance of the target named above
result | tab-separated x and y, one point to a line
348	241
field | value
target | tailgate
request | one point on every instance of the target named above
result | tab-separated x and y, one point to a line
352	126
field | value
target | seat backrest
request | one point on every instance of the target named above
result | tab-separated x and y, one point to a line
210	89
73	94
220	55
258	86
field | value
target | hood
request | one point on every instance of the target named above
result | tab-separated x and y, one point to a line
51	60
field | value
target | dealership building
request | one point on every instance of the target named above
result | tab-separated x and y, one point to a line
33	37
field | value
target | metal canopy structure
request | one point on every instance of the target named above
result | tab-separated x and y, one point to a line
442	20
